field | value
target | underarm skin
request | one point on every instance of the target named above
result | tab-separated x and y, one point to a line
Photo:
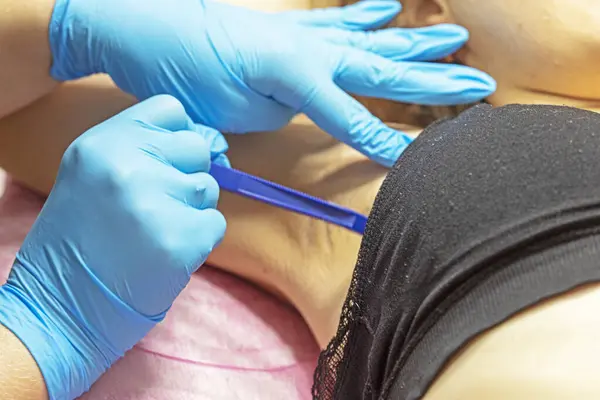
311	264
313	261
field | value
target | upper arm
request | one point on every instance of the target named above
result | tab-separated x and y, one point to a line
33	140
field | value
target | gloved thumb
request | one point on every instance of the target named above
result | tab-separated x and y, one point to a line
167	113
189	150
216	142
162	111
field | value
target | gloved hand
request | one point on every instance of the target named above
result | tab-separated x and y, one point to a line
239	70
131	217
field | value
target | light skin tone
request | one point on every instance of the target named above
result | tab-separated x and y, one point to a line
20	378
554	44
305	165
25	53
23	78
311	262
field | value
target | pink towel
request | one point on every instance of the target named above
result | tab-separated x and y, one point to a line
223	338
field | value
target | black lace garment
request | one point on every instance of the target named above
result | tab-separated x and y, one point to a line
484	215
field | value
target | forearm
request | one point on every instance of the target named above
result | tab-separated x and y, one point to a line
25	53
33	140
20	377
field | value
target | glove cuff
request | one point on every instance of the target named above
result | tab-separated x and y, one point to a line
74	328
71	43
66	374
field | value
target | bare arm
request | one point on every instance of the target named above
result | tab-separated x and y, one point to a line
311	264
20	377
300	156
32	141
24	52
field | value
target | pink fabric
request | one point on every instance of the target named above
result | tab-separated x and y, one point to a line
223	338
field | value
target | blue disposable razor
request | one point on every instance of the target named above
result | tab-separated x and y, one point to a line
256	188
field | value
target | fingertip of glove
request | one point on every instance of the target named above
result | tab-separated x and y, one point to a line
379	5
457	32
483	84
222	160
386	144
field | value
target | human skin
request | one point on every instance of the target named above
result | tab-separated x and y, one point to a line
311	263
20	378
299	156
554	43
25	53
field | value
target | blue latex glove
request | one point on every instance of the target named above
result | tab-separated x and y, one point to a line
239	70
131	217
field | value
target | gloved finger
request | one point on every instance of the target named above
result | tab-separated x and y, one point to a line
346	119
162	111
216	142
187	151
205	229
223	160
399	44
367	74
366	14
199	190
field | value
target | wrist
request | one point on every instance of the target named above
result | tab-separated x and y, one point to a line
69	362
20	377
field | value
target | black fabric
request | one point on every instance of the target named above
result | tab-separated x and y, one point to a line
483	215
